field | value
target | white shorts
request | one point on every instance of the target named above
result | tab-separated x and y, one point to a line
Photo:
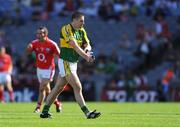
45	73
4	78
66	68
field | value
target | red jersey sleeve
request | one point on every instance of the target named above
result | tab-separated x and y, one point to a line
55	48
33	43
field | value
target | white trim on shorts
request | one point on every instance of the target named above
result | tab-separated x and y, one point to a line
66	67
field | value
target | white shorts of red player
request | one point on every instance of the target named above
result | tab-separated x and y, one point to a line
4	78
45	73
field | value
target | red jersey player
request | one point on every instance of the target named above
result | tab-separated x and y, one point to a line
45	50
5	74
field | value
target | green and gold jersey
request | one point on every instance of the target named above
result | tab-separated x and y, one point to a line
68	33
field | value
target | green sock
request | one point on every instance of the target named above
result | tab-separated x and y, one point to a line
85	109
45	109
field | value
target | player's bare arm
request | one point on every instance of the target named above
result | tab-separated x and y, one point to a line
79	50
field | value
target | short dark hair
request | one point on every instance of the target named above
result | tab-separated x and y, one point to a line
77	15
43	28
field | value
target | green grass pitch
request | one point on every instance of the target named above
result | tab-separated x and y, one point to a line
113	115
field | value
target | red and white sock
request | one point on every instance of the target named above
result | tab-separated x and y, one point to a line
38	105
57	103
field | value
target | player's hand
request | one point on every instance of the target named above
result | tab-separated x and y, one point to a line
29	48
91	56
